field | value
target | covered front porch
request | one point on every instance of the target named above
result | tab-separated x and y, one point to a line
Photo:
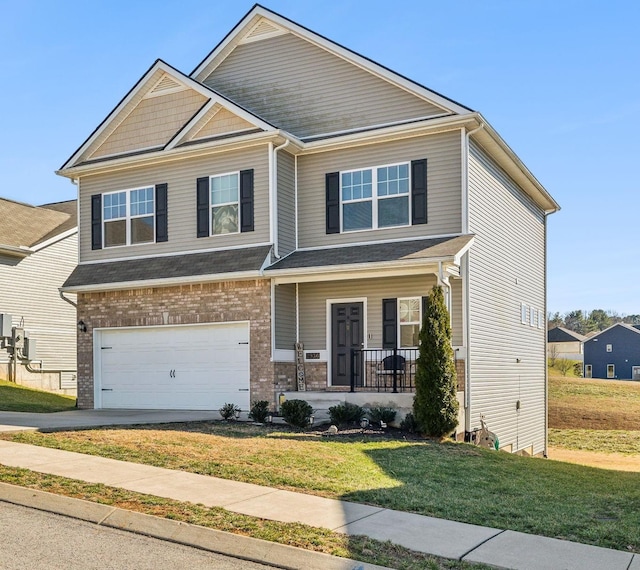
346	320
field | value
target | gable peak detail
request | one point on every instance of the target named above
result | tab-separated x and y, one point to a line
165	85
262	30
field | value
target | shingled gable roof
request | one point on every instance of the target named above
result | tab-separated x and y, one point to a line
561	334
142	84
25	227
258	12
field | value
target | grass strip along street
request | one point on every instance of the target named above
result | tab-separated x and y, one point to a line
297	535
447	480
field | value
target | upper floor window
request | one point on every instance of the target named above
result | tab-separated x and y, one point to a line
225	200
375	197
129	217
609	348
378	197
224	203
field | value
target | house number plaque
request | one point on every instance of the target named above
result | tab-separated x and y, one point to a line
302	387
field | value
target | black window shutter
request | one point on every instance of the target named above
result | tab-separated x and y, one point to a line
389	323
96	221
162	230
419	191
246	200
202	203
332	184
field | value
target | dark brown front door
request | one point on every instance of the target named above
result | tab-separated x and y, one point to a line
346	333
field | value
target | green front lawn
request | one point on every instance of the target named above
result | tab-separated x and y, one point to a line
453	481
14	398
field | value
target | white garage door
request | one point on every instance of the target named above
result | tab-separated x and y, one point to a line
197	367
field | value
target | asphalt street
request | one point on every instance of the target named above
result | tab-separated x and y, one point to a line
36	540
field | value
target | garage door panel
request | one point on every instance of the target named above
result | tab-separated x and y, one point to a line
191	367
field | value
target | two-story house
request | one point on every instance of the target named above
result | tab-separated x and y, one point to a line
287	191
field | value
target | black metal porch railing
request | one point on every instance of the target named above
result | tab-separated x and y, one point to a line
383	370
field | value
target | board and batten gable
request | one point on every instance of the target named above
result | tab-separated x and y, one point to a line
306	90
505	269
30	295
444	196
181	177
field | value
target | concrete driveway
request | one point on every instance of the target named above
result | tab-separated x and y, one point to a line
24	421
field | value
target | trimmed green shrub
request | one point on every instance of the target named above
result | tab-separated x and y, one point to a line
228	411
296	413
259	411
409	423
435	405
347	413
385	414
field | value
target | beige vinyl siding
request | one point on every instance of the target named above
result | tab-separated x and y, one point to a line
30	293
286	203
153	122
443	155
313	304
181	177
456	313
221	123
506	268
306	90
285	322
128	108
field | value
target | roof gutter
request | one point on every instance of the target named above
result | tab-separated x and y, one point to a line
13	251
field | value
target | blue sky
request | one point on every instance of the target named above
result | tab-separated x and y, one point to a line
559	80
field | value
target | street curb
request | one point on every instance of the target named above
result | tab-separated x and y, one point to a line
243	547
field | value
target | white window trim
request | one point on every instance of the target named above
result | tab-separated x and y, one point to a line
588	371
609	348
419	322
211	205
128	217
524	313
613	371
374	198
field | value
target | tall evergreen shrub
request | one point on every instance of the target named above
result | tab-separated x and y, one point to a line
435	406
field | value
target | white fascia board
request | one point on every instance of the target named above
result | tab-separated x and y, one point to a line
55	239
179	153
393	132
210	63
15	251
169	282
160	65
356	271
489	139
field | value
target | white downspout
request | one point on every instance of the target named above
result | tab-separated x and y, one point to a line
273	193
465	280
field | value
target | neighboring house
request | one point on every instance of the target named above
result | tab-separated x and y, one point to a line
38	251
269	198
613	353
564	343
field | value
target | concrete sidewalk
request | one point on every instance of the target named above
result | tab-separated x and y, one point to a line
448	539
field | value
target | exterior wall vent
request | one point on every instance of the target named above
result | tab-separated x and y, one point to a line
164	86
262	30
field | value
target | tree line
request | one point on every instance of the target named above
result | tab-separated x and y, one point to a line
584	322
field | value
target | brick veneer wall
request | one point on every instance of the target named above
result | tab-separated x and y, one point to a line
186	304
